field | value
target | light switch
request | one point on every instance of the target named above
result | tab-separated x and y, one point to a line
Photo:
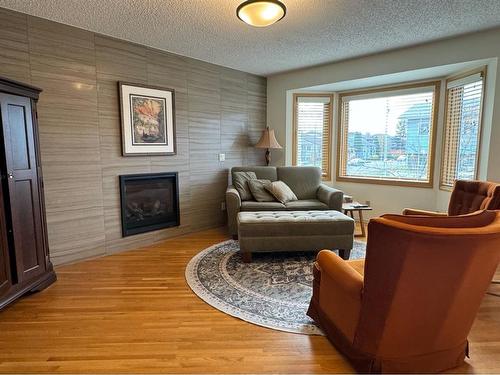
222	157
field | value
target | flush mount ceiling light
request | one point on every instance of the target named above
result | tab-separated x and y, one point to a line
261	13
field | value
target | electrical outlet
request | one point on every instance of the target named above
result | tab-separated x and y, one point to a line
222	157
223	206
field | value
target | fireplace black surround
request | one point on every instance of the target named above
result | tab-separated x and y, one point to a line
149	202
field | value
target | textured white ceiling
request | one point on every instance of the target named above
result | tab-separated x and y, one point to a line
313	31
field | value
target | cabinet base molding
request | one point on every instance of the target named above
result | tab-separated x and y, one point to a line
37	286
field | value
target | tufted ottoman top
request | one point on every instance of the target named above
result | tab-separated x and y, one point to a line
290	223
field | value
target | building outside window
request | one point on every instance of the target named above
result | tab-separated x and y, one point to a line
386	135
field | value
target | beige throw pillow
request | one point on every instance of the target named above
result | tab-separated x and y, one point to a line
281	192
240	182
259	192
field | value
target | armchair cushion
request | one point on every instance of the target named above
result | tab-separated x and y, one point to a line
470	196
332	197
414	211
240	182
467	197
358	265
474	220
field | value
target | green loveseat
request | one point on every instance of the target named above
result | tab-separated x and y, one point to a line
305	182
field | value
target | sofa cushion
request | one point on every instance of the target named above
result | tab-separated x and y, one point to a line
306	204
262	206
240	180
304	181
281	191
263	173
259	192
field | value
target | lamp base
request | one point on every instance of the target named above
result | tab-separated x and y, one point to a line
268	157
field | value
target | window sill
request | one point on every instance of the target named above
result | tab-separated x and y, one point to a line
379	181
448	189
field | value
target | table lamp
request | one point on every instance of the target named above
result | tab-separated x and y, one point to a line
268	141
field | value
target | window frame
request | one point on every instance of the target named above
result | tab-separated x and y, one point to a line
326	176
483	72
436	84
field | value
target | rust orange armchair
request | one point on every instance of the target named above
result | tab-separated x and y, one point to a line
467	197
410	306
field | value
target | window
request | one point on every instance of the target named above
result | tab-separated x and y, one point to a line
386	135
462	129
312	118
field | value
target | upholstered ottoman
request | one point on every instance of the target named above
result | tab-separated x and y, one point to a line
268	231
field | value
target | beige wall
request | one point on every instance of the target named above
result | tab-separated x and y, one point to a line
468	48
218	110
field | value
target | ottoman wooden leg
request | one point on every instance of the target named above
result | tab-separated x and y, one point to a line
247	257
344	254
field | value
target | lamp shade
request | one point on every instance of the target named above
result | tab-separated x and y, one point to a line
268	140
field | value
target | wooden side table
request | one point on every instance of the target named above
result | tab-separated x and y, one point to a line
350	208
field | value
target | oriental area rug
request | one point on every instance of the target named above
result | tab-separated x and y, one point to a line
272	291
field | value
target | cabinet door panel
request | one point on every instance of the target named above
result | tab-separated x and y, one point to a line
27	231
19	136
5	282
23	185
4	276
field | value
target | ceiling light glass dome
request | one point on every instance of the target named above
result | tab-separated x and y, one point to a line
261	13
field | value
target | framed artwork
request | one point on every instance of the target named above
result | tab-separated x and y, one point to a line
148	120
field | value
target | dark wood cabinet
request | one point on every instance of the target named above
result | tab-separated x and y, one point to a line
24	257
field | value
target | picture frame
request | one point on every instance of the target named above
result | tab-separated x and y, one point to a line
147	120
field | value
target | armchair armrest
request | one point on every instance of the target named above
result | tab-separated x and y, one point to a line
340	272
233	206
340	292
332	197
413	211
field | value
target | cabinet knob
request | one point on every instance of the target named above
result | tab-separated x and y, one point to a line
10	175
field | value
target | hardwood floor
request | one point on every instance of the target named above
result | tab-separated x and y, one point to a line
134	313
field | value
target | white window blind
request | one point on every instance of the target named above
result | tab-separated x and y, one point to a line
312	132
462	129
387	135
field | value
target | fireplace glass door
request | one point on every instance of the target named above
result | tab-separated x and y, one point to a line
149	202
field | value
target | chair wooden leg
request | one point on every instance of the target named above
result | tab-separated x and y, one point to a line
344	254
246	257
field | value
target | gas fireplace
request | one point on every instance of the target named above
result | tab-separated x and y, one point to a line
149	202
